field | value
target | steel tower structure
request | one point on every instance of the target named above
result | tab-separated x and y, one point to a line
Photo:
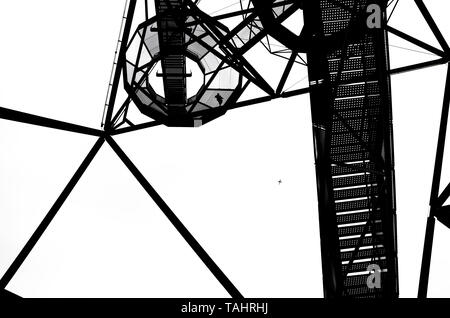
349	77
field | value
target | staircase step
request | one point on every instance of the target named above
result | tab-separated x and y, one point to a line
360	229
363	254
362	266
358	217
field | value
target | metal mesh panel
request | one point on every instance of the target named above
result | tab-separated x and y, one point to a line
351	92
358	217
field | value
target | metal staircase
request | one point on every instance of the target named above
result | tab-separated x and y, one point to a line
173	59
351	111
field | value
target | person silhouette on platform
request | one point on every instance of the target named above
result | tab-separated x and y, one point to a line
219	99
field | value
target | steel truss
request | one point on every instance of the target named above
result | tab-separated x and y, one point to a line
113	127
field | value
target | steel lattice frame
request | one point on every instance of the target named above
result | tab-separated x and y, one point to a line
113	125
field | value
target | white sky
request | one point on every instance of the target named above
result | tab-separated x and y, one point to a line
221	180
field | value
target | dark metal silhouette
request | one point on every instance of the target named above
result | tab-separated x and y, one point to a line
351	112
180	31
438	211
26	250
350	97
226	283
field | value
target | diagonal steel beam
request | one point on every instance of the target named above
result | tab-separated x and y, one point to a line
135	128
426	258
193	243
443	196
286	72
418	66
26	250
441	142
434	196
433	26
417	42
121	62
21	117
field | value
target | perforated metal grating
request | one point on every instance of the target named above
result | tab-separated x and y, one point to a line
350	100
